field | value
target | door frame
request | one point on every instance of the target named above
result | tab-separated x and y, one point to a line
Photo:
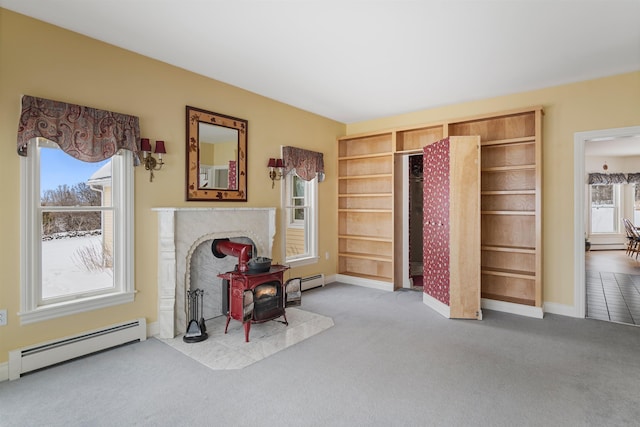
579	141
406	256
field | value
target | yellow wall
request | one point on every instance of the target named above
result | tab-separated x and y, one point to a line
45	61
611	102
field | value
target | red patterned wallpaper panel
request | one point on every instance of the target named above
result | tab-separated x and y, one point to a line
436	220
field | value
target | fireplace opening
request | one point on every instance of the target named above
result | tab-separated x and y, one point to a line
268	301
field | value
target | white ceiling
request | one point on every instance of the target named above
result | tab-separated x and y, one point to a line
354	60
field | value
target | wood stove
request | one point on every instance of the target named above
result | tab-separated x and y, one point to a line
255	295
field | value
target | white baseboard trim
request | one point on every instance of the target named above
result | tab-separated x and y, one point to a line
330	278
607	246
4	371
153	329
437	306
561	309
367	283
508	307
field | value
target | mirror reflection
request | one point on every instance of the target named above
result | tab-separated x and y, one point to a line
216	156
218	148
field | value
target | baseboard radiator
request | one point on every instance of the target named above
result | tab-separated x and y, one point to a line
311	282
49	353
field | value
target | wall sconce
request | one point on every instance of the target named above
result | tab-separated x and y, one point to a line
275	170
150	163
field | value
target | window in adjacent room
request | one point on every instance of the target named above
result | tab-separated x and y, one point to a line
76	233
605	208
636	205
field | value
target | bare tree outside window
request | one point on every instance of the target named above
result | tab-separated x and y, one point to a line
77	224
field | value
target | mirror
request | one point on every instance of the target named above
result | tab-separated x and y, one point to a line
216	156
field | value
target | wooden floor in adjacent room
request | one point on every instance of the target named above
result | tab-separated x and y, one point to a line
613	286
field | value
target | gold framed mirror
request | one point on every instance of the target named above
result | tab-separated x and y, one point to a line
216	156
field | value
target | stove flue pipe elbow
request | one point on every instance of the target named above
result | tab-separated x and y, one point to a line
223	247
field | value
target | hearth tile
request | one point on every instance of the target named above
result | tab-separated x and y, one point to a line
230	351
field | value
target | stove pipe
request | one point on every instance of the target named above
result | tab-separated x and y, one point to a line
223	247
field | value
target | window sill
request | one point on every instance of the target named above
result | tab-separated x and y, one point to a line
302	261
67	308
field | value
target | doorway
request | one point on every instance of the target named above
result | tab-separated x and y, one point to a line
416	190
580	191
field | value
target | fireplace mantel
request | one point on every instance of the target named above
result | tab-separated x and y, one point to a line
180	231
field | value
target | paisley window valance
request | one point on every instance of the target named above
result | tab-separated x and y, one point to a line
306	164
86	133
607	178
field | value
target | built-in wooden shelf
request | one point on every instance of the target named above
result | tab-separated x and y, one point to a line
509	141
369	201
509	168
509	273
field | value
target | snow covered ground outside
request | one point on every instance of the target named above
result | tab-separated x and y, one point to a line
61	275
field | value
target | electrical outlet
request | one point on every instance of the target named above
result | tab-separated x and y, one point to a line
3	317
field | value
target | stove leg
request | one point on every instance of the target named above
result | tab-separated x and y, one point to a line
227	325
247	328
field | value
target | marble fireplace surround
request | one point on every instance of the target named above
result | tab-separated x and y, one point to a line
181	231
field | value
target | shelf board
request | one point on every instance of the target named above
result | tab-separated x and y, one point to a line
506	192
366	195
509	168
522	301
509	273
509	141
367	156
367	238
372	257
523	213
366	210
410	151
514	249
366	276
379	175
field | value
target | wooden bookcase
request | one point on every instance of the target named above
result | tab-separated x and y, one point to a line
511	182
370	205
365	207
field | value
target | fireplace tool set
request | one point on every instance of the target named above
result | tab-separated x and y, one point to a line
196	329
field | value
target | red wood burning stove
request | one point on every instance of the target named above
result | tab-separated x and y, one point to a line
257	291
255	298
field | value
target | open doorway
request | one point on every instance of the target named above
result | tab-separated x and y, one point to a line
416	233
608	140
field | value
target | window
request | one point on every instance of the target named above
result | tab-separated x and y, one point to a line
76	232
605	208
636	205
301	220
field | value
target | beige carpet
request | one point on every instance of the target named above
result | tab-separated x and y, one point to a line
230	351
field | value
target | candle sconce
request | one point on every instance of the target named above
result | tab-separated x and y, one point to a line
150	162
275	170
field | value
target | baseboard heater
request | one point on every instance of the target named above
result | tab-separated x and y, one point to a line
49	353
311	282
